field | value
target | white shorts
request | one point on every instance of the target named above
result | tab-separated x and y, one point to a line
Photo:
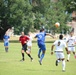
59	55
71	49
29	44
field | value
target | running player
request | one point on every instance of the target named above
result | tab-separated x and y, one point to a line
59	44
71	41
29	43
6	41
24	39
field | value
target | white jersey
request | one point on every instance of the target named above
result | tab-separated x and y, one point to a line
71	41
59	44
29	43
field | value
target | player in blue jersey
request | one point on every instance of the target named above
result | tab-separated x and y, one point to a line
41	43
6	41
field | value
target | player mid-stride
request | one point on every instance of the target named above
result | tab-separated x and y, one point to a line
60	45
41	43
71	41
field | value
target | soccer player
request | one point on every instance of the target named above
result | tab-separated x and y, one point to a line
6	41
71	41
29	43
59	44
41	44
24	39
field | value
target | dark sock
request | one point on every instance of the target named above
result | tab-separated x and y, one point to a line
29	56
22	56
6	49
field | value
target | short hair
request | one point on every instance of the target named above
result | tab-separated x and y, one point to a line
61	36
42	29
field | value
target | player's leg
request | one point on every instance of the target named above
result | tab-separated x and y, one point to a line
43	48
39	53
63	64
63	61
28	51
68	56
73	50
58	58
6	46
22	52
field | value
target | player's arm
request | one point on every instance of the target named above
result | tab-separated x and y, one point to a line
50	35
52	47
67	50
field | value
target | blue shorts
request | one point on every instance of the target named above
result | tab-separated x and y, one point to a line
6	43
42	46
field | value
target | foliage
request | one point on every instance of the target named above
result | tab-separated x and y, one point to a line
28	15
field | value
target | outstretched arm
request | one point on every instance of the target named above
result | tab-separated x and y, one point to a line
50	35
67	50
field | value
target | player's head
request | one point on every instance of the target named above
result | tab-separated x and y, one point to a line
42	29
22	33
71	33
61	36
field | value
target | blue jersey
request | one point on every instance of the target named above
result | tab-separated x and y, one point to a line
6	37
6	41
41	37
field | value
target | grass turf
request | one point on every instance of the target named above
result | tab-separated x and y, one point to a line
10	62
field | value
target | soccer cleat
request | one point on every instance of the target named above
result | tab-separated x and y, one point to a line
22	60
40	62
56	63
67	60
63	70
31	59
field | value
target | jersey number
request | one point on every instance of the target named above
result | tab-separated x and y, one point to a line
58	43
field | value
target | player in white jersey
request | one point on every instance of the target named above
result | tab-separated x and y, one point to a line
29	43
71	41
60	45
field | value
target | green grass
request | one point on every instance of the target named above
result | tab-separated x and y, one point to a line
10	64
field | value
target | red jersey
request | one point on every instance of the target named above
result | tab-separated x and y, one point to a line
23	39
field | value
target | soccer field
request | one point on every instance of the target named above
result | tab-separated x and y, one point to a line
10	62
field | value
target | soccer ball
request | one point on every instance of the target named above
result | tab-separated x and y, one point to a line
57	24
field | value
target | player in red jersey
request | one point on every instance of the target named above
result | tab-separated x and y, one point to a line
24	39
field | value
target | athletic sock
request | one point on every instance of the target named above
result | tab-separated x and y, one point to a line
63	65
58	61
6	49
29	56
68	56
22	56
42	56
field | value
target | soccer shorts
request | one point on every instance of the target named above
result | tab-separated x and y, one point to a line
59	55
42	46
71	49
24	47
29	44
6	43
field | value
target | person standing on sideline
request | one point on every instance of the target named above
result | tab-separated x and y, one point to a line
59	44
71	42
23	40
41	44
6	41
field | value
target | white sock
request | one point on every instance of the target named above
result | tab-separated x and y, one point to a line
58	61
68	56
63	64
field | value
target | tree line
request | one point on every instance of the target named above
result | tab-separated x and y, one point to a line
31	15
